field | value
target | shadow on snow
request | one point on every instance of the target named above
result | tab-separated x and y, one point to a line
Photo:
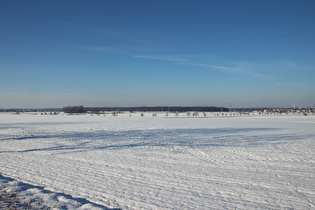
193	138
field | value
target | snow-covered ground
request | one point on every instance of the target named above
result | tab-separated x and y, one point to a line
134	162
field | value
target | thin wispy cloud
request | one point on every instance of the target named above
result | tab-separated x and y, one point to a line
231	69
246	68
221	68
265	71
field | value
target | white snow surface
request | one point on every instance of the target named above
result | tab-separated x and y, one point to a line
133	162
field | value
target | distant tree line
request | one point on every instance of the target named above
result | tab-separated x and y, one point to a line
74	109
81	109
160	108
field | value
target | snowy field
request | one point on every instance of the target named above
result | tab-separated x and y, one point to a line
134	162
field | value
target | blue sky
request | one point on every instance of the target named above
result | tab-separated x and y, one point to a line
156	52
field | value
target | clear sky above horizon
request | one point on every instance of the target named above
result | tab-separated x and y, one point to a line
157	52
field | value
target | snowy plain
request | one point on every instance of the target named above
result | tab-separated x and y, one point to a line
134	162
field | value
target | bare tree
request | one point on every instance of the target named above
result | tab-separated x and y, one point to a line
195	114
